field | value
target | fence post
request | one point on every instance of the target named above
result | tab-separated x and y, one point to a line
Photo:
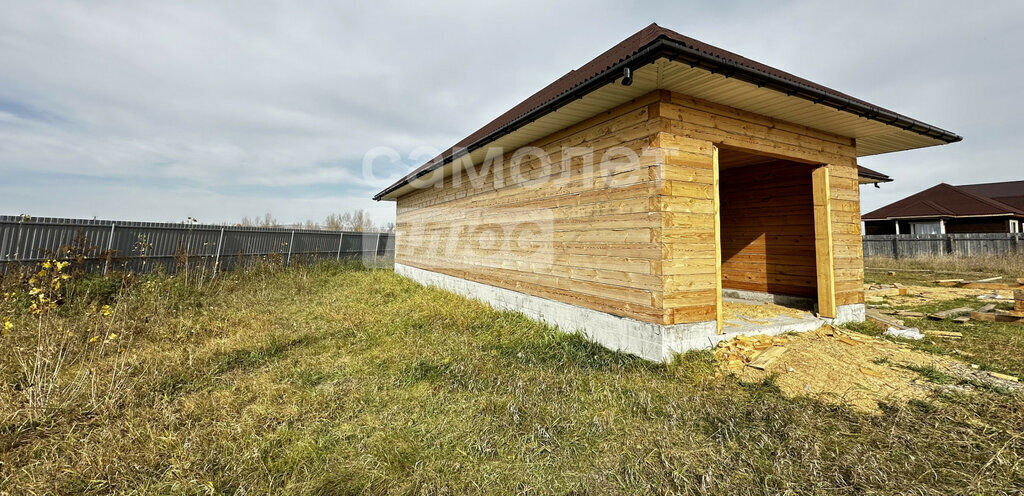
952	245
220	248
896	246
341	240
17	243
376	247
291	241
110	246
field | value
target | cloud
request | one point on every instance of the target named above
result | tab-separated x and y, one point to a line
220	109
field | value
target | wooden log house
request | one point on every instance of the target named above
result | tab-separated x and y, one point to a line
724	175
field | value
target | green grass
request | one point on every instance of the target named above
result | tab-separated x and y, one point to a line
338	380
996	346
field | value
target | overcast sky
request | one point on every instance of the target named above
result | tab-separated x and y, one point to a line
164	110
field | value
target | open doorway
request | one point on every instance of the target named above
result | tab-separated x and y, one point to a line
767	218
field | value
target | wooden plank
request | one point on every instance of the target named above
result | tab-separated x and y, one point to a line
718	237
945	314
824	261
765	359
996	317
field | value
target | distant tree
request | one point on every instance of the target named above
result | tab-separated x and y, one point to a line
361	221
356	220
269	221
335	222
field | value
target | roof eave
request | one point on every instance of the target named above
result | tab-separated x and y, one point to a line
678	51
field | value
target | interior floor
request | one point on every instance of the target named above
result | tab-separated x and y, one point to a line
751	317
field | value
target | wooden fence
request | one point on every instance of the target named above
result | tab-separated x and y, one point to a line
104	245
966	245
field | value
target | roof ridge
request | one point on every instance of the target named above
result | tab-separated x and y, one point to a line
989	184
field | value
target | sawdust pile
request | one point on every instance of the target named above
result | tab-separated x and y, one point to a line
837	367
924	294
757	312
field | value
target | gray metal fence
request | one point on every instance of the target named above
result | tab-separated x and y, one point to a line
917	245
104	245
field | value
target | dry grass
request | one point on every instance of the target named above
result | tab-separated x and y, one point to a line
938	267
338	380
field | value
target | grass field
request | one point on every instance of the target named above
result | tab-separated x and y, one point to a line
925	269
339	380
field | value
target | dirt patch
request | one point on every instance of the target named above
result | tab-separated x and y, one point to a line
757	313
841	367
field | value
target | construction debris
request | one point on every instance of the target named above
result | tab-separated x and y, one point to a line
988	283
989	313
994	296
998	316
944	334
767	357
743	350
904	332
886	290
945	314
1004	377
990	279
962	320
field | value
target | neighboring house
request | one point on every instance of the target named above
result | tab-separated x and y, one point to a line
944	208
740	177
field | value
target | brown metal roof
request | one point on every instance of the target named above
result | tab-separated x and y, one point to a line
645	47
945	200
871	176
1010	192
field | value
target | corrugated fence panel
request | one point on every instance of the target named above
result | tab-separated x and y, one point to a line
966	245
147	246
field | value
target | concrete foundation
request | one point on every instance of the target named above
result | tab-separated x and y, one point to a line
651	341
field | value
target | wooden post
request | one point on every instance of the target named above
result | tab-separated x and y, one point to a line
824	254
341	240
715	193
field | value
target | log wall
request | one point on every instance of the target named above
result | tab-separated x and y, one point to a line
768	229
699	124
639	240
604	252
